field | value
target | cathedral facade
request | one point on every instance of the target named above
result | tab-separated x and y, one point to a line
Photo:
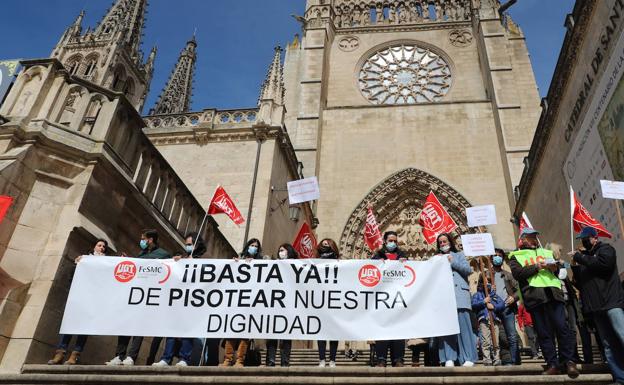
383	101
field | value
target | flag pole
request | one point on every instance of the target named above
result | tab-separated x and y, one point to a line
572	206
619	215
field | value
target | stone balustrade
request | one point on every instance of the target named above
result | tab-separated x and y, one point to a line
353	13
208	118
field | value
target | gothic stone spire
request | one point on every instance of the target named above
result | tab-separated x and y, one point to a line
124	21
273	87
176	97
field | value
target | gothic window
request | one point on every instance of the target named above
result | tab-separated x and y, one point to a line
91	64
119	78
69	107
91	116
129	88
73	64
404	74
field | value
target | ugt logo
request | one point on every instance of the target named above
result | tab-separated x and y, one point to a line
369	275
432	216
125	271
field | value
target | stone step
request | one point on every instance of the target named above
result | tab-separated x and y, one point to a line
90	375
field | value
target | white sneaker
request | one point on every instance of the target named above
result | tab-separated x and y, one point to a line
161	363
469	364
114	362
128	362
332	364
449	364
321	364
181	363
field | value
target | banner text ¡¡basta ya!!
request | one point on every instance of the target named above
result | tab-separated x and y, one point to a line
309	299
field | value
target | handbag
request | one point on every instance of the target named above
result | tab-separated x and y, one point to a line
254	356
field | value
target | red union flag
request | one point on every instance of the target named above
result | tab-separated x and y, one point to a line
222	204
582	218
434	219
372	235
305	242
5	203
524	222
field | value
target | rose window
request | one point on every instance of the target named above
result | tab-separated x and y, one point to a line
404	74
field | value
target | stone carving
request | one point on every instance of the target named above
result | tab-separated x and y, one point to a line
349	43
404	74
460	37
397	202
372	12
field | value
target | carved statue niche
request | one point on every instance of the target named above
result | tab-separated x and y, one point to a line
365	17
392	15
379	16
357	14
439	11
414	16
424	6
403	14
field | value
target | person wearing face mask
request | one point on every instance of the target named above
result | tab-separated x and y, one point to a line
536	271
596	275
285	251
460	347
194	247
99	249
507	289
327	249
390	251
149	250
251	251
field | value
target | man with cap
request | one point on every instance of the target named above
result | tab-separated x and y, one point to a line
596	276
536	271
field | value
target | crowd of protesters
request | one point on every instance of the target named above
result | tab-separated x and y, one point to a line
527	290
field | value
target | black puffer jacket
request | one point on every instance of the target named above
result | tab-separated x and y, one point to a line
596	276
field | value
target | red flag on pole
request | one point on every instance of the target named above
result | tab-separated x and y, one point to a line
582	218
524	222
372	235
5	203
305	242
222	204
434	219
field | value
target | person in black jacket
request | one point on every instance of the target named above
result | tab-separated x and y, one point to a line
596	276
543	298
327	249
390	251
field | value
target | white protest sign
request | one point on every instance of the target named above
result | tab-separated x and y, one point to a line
477	245
481	215
303	190
612	189
309	299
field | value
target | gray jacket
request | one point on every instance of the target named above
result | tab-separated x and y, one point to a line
461	270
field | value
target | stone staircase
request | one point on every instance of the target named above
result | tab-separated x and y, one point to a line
305	370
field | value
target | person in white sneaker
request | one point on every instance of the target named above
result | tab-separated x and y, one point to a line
184	355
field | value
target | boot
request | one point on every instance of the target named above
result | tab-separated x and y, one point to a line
74	358
229	354
241	353
59	355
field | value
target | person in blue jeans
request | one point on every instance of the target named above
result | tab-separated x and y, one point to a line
462	347
486	305
184	354
596	276
506	288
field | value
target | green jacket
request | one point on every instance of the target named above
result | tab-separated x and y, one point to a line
157	253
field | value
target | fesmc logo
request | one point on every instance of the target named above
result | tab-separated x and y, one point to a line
126	271
370	275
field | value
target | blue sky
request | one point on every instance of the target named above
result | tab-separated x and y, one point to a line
235	38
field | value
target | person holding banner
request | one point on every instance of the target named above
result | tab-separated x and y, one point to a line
251	251
596	275
327	249
194	247
390	251
149	250
536	271
99	249
285	251
461	347
507	288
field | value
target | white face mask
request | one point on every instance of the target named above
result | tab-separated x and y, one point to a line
283	254
563	274
445	249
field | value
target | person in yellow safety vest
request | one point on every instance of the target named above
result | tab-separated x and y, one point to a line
536	271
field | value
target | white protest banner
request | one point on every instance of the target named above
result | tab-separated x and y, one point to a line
481	215
612	189
303	190
308	299
477	245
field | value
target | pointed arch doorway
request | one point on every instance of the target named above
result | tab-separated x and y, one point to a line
397	202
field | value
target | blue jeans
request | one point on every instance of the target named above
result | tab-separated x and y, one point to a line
460	347
610	325
66	339
509	324
185	350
